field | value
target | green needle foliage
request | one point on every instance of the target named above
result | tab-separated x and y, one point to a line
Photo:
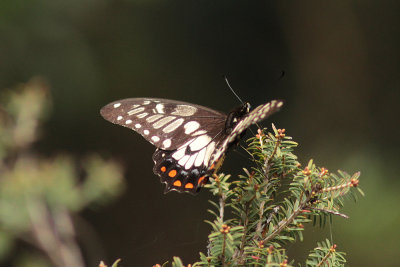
40	197
270	204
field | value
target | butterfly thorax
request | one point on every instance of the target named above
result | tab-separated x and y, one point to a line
233	119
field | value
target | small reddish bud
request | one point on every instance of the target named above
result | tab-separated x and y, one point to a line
323	172
270	249
280	134
256	257
259	134
300	225
225	229
283	264
306	171
354	182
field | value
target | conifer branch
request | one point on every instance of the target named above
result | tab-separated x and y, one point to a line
270	205
330	211
286	222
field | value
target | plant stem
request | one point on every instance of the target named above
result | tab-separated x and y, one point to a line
222	207
284	223
58	244
223	251
245	225
326	257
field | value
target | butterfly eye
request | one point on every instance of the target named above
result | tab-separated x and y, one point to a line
248	107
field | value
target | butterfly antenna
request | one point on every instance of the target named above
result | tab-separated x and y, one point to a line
230	87
251	155
239	152
282	75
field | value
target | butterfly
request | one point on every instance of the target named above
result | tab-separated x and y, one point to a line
191	140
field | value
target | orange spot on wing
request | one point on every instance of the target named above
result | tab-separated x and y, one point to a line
212	166
189	185
201	179
177	183
163	169
172	173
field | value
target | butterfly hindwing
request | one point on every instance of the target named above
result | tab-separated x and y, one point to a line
175	175
167	124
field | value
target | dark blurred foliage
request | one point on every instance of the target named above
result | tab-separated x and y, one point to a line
341	86
40	197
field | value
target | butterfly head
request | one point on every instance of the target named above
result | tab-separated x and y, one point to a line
235	116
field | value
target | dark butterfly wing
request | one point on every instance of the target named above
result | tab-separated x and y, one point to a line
258	114
167	124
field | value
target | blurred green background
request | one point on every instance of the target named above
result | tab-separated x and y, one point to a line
341	85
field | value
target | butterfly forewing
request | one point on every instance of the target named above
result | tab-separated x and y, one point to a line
258	114
167	124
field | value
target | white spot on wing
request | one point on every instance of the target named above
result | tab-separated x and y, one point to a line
191	126
137	125
190	162
134	111
154	117
119	118
200	157
146	132
155	138
142	115
163	121
128	122
166	143
183	160
179	153
173	125
184	110
160	108
146	102
210	150
116	105
200	142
